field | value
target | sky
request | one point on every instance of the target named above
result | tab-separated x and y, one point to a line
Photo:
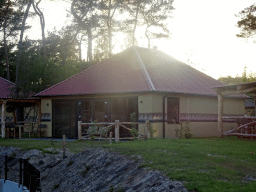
202	31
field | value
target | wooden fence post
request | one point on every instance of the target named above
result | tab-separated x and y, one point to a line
110	137
79	130
148	129
63	143
117	130
19	131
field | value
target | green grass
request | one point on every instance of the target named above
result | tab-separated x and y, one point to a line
204	164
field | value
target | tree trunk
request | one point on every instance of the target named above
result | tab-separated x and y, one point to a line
42	22
5	42
146	34
18	61
109	24
109	31
80	52
135	25
6	51
89	51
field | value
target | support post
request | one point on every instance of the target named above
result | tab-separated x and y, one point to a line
117	123
3	119
255	104
148	129
39	113
110	137
79	130
19	131
220	114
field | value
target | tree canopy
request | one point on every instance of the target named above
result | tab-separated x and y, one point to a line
35	64
247	22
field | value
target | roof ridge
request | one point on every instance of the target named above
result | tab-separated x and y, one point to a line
145	72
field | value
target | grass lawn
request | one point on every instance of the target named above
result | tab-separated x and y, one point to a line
205	164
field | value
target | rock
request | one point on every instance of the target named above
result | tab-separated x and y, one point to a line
94	170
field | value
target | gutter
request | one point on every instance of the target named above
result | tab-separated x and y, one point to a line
164	116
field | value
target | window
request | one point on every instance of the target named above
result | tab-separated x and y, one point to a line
172	110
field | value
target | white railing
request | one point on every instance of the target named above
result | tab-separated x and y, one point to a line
109	125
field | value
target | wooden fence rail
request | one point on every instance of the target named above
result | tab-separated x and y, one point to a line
117	125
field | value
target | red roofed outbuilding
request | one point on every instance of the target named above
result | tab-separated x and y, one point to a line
9	104
151	83
5	87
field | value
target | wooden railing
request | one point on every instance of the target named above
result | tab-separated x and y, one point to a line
247	130
109	126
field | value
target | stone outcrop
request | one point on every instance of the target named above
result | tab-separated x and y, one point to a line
91	170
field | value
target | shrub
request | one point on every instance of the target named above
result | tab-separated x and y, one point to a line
111	189
133	131
151	130
183	131
92	131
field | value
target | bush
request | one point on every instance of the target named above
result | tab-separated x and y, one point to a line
183	131
92	131
133	131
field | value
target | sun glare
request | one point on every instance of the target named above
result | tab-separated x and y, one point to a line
202	32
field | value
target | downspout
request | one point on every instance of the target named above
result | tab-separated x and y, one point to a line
164	116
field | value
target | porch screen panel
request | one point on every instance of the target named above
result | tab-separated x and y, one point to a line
172	110
64	118
122	108
100	111
86	112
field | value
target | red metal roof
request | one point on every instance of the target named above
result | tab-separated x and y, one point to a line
137	70
5	86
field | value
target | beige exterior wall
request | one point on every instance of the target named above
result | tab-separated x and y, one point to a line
46	107
151	103
195	104
145	103
207	105
233	106
199	129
